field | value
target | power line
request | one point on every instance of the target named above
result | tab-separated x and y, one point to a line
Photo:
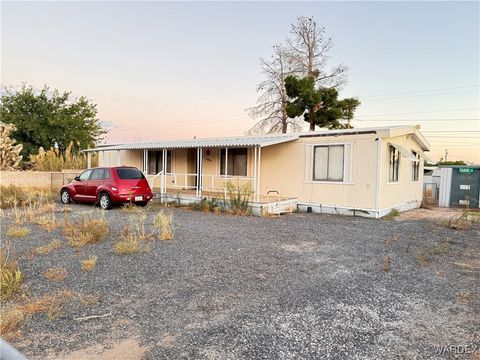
423	112
416	96
444	119
426	90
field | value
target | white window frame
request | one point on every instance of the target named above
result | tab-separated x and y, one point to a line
415	167
389	182
347	165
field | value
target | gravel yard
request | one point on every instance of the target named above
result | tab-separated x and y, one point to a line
290	287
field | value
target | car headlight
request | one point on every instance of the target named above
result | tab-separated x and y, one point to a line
114	188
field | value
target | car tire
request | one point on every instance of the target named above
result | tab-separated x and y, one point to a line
65	197
104	201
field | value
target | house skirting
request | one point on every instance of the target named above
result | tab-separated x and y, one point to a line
291	205
349	211
258	208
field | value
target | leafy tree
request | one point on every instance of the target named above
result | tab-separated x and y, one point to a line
319	107
50	119
459	162
306	53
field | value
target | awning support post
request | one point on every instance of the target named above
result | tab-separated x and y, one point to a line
145	161
258	172
89	160
164	175
255	192
225	174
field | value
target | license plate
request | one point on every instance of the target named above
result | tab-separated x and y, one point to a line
138	198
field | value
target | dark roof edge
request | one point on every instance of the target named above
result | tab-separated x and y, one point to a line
339	134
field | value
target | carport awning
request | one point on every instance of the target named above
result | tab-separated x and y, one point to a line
230	142
404	152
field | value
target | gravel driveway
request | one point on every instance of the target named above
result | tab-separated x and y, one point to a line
298	286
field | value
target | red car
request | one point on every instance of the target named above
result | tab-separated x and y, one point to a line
108	186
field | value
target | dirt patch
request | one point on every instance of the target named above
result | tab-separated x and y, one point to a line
126	349
303	247
435	213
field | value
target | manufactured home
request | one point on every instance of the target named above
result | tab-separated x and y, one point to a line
363	171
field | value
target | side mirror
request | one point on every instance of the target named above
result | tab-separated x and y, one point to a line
77	178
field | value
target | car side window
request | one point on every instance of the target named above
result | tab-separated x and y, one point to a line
85	175
97	174
106	174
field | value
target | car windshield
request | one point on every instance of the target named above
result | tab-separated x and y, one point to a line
129	173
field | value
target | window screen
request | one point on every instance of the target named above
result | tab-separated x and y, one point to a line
394	164
415	167
155	159
236	162
328	163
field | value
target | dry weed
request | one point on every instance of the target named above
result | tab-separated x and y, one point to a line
50	304
422	259
17	232
89	264
55	274
10	320
163	224
10	277
47	249
87	230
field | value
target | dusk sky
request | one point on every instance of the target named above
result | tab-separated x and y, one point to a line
176	70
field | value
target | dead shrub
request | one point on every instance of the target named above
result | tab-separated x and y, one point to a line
55	274
440	248
130	207
163	224
50	304
48	222
47	249
463	296
422	259
86	230
391	215
17	232
387	263
10	277
11	196
10	320
88	299
89	264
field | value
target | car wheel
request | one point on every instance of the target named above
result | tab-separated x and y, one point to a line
105	201
65	197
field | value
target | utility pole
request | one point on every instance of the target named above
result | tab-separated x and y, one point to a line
446	154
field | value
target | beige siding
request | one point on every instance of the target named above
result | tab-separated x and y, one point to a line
405	190
287	168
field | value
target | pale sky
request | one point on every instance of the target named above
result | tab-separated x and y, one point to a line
162	70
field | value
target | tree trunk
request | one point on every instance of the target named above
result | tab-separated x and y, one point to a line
311	118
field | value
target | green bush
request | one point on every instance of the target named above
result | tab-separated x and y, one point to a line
238	198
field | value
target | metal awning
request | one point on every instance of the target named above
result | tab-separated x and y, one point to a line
240	141
424	157
404	152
